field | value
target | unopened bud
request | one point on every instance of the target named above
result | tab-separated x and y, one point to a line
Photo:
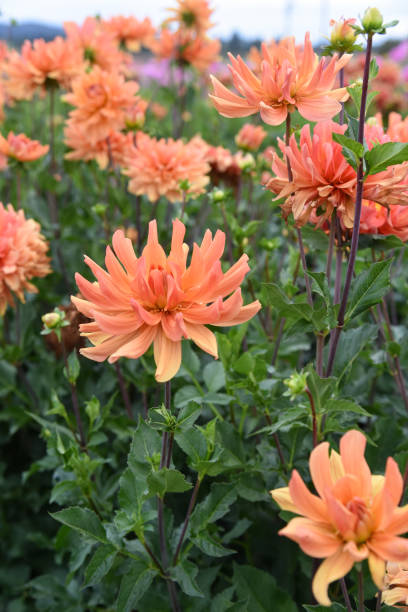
342	36
296	384
51	319
218	195
372	20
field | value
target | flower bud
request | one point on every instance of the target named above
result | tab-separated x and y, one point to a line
51	319
246	162
372	19
296	383
343	36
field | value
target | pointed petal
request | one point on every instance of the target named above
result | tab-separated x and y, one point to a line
167	355
333	568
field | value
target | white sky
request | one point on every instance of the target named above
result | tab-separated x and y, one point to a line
251	18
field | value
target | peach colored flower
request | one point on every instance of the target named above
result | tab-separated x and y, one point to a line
130	32
96	44
156	167
396	585
101	100
158	110
192	14
39	64
284	46
342	36
354	516
289	80
136	114
22	148
323	181
225	166
376	219
397	128
184	48
110	150
250	137
160	300
22	255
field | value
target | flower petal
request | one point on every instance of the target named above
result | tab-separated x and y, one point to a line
333	568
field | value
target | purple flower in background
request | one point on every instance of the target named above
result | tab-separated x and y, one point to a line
160	71
400	52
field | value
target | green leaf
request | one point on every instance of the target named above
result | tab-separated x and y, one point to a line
133	586
315	239
193	443
261	590
187	394
293	416
368	288
185	574
146	444
278	299
83	520
215	506
245	363
387	154
351	343
210	546
99	565
72	372
214	376
343	405
353	151
131	492
92	409
167	481
335	607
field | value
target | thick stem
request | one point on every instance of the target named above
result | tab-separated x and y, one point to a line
314	417
190	508
345	595
360	591
124	391
357	214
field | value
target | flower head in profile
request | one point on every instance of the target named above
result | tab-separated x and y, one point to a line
391	221
192	15
101	100
23	255
323	180
396	586
250	137
289	80
156	167
22	148
130	32
354	515
158	299
41	64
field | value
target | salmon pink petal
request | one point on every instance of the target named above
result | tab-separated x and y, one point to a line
359	553
398	523
336	466
320	468
233	277
116	271
106	348
389	547
227	108
119	323
318	108
273	115
178	254
245	314
307	504
314	539
153	253
377	569
333	568
124	251
138	345
203	314
203	337
167	355
82	305
283	499
352	447
173	326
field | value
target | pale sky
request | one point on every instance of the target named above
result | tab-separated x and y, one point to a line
251	18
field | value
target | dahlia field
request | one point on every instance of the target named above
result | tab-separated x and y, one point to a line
203	300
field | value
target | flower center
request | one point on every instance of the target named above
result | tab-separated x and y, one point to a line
362	519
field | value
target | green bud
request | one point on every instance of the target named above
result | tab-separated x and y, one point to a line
51	320
296	383
372	20
218	195
99	209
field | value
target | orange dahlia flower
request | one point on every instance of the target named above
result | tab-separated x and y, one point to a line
192	14
101	99
397	130
111	150
130	32
97	46
184	48
250	137
376	219
160	300
354	516
396	586
323	179
40	63
156	167
22	255
22	148
288	80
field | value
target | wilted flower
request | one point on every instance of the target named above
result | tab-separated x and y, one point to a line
22	148
101	100
22	255
160	300
289	80
41	64
396	585
354	516
250	137
156	167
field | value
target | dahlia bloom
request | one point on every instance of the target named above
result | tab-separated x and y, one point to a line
130	32
323	181
156	167
288	80
160	300
192	14
101	99
354	516
111	150
21	148
376	219
250	137
96	44
39	63
22	255
396	585
183	48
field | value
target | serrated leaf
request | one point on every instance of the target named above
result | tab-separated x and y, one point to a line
133	586
351	343
285	308
353	151
214	376
132	489
99	565
185	574
167	481
368	288
293	416
210	546
387	154
343	405
215	506
315	239
83	520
